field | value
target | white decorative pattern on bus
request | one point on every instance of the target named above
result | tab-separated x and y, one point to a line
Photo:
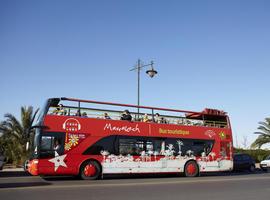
149	162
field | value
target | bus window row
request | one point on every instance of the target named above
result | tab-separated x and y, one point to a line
137	146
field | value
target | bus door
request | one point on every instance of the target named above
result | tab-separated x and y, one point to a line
51	154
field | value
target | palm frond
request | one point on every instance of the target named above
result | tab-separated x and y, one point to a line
265	126
267	120
16	133
261	140
264	134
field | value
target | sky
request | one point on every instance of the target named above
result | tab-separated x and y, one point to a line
208	53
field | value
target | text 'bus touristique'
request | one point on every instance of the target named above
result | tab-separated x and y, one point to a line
91	138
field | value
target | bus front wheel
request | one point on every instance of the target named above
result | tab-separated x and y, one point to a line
90	170
191	169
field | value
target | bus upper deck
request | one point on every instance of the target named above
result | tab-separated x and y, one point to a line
105	110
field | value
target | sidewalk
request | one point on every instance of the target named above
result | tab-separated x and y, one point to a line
12	170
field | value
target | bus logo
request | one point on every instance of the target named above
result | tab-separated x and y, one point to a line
72	125
210	133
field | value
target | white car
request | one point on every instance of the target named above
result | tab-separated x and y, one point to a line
265	164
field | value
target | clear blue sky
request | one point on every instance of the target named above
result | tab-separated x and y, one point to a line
208	54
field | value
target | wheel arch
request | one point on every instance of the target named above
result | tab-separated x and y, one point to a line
190	161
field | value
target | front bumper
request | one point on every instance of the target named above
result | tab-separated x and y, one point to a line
264	166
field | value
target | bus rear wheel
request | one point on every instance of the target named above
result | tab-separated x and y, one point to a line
191	169
90	170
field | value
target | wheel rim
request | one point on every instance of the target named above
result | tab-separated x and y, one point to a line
191	169
90	170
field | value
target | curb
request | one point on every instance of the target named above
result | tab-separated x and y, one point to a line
13	174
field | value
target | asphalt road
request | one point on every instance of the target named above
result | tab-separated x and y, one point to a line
208	187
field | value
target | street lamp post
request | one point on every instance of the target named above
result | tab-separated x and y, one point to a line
151	72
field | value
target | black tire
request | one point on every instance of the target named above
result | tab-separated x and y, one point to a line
252	168
191	169
25	166
264	169
90	170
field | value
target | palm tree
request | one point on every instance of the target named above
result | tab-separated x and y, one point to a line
16	133
264	134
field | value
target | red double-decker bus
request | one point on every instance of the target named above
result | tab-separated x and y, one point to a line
91	138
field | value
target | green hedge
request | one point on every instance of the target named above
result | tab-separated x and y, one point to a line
257	154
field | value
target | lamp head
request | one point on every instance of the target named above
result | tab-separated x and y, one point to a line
151	72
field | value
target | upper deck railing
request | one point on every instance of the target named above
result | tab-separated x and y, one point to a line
81	108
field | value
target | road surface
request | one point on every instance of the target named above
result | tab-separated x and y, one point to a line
221	187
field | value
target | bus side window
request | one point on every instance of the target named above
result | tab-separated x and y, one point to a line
47	148
50	144
149	147
131	146
208	147
162	149
158	146
104	144
46	143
